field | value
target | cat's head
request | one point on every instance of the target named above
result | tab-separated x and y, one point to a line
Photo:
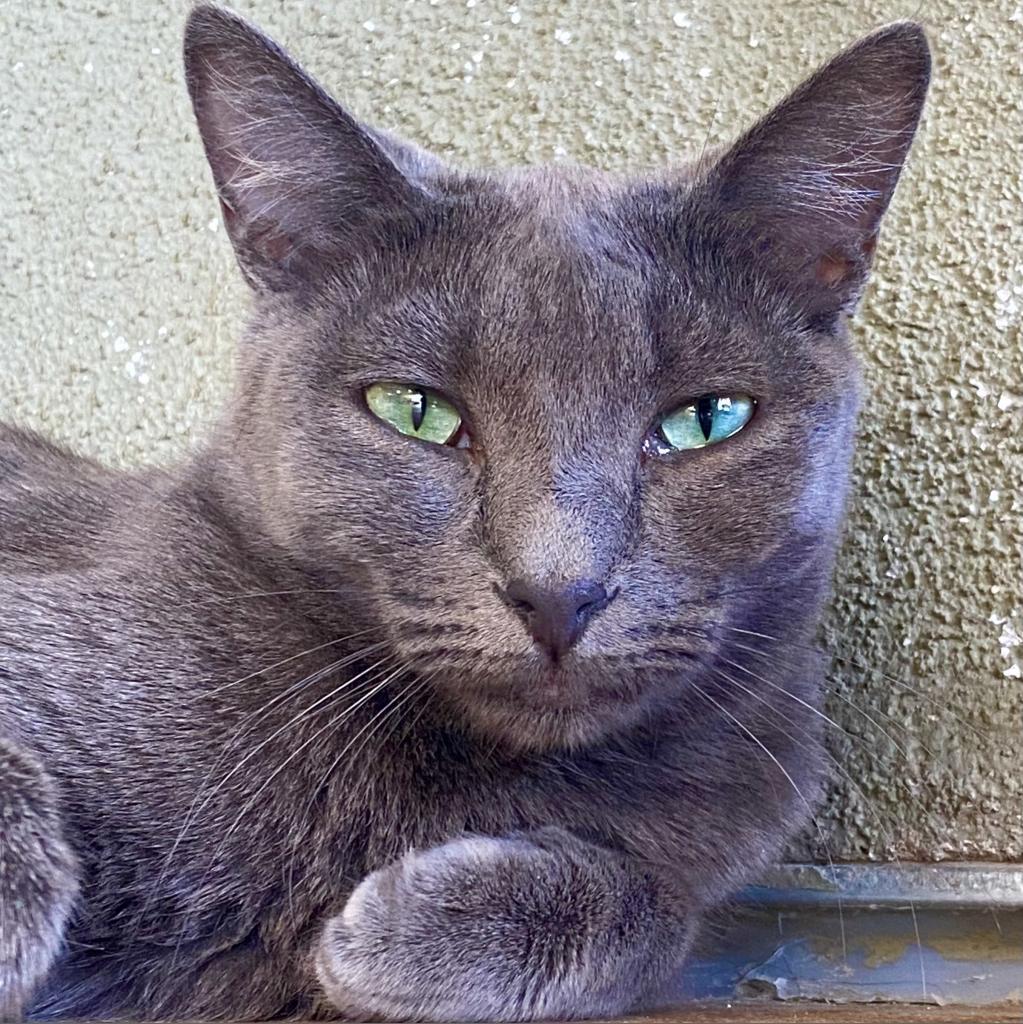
567	435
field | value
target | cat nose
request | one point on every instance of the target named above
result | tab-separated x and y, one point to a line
556	616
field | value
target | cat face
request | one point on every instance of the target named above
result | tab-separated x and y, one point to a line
562	568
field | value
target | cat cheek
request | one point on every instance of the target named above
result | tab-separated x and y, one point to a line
819	504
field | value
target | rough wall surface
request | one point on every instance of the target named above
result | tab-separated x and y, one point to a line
121	302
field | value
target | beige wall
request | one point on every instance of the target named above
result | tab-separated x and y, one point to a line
120	300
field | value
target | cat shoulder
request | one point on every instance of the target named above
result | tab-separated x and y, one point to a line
53	502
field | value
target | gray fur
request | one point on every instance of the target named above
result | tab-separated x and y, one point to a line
38	878
267	708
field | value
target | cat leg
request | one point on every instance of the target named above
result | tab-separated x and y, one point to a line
38	878
535	926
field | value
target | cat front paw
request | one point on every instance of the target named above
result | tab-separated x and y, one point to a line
38	878
483	929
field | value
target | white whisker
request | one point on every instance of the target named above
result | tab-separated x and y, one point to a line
806	803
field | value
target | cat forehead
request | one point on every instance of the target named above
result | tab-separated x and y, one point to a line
539	268
535	216
529	245
556	196
590	219
538	239
548	274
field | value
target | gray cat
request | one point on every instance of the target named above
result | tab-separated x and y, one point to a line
434	685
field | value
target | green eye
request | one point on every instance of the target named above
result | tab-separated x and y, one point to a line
414	411
711	418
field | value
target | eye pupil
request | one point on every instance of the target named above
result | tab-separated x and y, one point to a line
705	407
703	421
418	410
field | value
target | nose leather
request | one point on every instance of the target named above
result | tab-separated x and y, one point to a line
557	615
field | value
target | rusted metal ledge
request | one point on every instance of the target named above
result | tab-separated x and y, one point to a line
759	1012
945	934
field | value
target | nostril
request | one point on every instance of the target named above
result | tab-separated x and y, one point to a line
591	599
520	597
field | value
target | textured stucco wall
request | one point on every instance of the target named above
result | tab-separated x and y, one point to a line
120	300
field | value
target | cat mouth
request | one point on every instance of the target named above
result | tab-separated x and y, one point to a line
554	687
534	703
534	718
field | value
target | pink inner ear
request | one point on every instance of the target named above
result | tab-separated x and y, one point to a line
266	238
833	270
275	246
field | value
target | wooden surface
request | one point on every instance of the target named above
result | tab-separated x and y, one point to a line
755	1012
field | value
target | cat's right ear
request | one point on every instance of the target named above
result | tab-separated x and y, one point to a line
297	175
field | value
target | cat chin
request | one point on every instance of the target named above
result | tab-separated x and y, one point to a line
528	705
530	726
526	730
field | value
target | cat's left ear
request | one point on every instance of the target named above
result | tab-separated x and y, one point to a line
808	185
300	180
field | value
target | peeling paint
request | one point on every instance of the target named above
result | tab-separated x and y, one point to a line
942	934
